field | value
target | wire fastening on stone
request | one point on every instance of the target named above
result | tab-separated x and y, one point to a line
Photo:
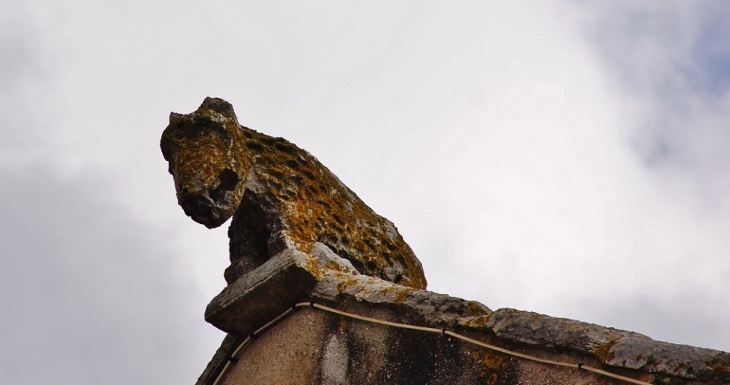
443	331
233	358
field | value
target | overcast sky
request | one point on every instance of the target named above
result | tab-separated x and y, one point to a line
570	158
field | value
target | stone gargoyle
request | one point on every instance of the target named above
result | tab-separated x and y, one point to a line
279	196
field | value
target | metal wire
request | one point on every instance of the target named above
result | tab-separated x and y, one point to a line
276	320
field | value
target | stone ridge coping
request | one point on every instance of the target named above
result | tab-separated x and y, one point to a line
321	276
612	347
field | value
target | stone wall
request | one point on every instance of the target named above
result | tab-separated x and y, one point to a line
314	346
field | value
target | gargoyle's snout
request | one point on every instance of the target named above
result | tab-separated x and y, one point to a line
212	205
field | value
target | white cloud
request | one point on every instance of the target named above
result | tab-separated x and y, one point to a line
563	158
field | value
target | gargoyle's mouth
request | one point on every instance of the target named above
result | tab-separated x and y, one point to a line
213	206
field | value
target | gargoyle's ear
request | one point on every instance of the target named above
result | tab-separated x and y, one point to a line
174	117
218	105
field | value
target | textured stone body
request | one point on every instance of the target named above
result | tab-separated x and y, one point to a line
279	195
298	235
316	347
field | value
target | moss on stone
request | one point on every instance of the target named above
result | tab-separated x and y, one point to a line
297	201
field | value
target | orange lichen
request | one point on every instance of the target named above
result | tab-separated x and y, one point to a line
284	197
603	352
493	366
477	322
492	379
204	153
493	361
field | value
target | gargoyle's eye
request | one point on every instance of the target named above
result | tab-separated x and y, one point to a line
228	179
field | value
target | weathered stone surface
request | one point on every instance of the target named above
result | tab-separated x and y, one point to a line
262	294
329	349
679	360
207	159
537	329
279	195
386	356
299	234
611	346
288	354
273	287
427	307
356	352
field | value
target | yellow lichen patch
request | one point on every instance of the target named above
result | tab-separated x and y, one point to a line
319	208
493	361
347	282
493	365
297	200
492	379
203	150
603	352
477	322
718	366
475	307
311	265
397	294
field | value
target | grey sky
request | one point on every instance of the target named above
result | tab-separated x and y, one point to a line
90	294
563	158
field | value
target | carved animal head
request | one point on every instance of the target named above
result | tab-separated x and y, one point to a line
207	160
